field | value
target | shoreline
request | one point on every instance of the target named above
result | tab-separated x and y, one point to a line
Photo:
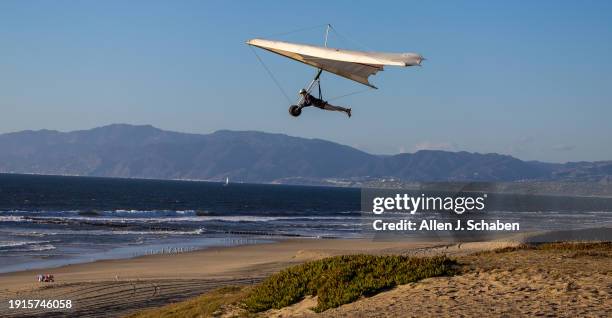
122	286
309	243
116	254
215	262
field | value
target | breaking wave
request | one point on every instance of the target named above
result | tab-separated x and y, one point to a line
26	246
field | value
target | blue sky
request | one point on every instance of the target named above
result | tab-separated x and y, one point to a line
527	78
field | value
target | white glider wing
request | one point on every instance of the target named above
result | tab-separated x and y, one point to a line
354	65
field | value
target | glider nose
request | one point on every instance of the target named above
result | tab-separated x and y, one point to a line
252	42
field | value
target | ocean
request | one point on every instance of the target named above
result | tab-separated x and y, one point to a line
48	221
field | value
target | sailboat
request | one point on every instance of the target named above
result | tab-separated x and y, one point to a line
226	182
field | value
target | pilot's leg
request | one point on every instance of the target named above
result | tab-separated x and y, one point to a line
331	107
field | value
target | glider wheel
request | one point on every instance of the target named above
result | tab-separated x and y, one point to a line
295	111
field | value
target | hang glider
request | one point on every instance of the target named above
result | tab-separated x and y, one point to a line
354	65
357	66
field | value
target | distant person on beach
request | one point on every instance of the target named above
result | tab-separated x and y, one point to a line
46	278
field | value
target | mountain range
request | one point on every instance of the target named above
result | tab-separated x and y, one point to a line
130	151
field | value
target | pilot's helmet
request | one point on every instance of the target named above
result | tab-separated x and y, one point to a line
302	91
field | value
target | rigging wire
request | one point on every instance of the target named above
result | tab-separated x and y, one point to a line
367	89
350	40
347	39
328	27
271	75
263	64
297	30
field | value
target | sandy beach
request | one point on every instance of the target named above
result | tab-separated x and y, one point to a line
222	262
522	283
126	285
532	283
